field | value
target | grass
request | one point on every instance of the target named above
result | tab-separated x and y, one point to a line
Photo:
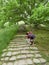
6	35
42	42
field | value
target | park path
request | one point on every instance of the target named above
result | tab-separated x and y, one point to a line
20	53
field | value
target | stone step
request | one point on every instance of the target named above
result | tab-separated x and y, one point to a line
20	53
39	61
19	45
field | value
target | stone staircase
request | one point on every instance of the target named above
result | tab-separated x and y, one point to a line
20	53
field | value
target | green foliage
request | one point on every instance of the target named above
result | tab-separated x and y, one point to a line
40	15
6	35
14	11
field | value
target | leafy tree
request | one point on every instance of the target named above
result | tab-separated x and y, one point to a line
14	11
40	15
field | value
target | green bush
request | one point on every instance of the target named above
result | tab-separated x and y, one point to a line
6	35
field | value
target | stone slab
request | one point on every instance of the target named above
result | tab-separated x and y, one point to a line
42	60
9	54
36	61
21	56
13	58
4	64
21	62
10	63
29	61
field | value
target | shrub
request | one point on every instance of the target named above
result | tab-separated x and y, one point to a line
6	35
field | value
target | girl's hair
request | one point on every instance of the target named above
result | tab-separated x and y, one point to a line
27	33
30	32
